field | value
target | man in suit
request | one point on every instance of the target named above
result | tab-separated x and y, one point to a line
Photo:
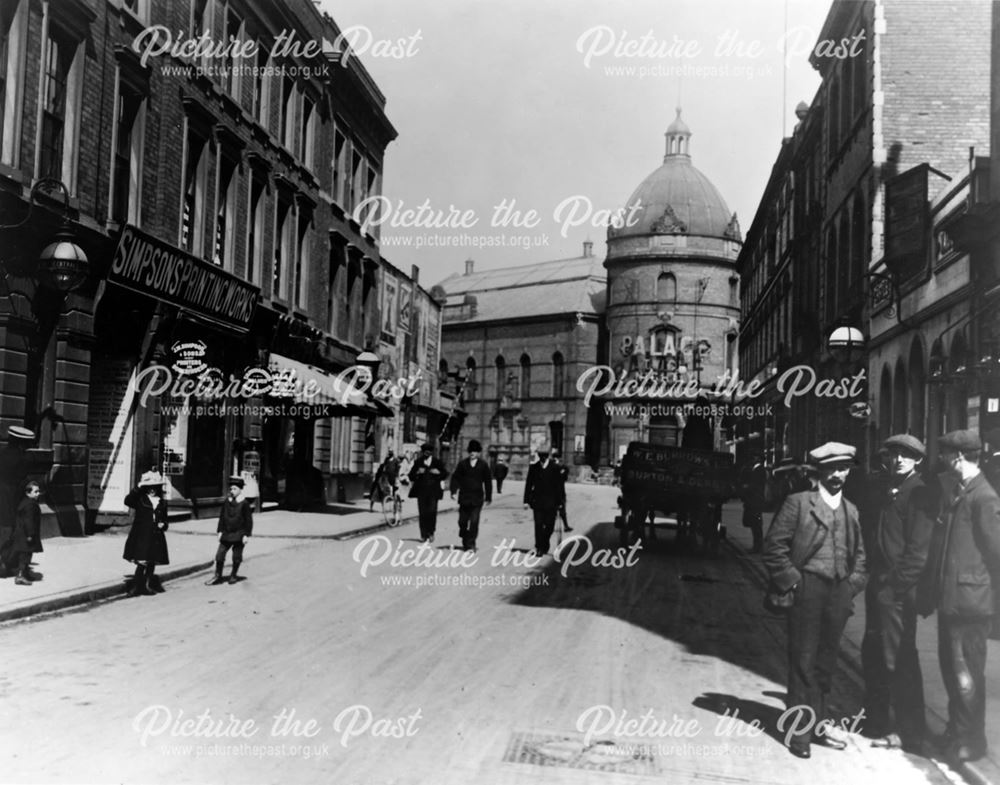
473	483
897	530
426	475
815	548
544	491
964	575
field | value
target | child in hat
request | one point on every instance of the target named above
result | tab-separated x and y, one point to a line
235	528
146	544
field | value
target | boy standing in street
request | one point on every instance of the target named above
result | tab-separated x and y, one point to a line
235	528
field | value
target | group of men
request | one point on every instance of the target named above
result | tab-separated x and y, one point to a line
472	485
916	546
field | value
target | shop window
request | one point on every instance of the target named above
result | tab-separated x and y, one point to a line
126	176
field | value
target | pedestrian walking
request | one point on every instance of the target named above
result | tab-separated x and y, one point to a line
501	473
544	491
146	544
426	477
815	549
13	476
26	537
753	485
962	584
564	475
897	531
235	528
473	483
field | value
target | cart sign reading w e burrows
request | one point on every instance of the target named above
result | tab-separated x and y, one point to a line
155	268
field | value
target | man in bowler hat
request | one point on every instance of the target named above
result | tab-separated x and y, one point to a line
473	483
963	574
897	530
544	491
426	476
814	548
235	528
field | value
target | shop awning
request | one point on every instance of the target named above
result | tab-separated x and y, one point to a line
298	380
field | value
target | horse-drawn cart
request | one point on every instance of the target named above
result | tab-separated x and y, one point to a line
690	484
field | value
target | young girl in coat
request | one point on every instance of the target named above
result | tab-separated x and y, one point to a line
146	545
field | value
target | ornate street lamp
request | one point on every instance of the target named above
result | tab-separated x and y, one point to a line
846	344
62	264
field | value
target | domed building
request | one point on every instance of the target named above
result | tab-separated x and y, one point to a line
673	293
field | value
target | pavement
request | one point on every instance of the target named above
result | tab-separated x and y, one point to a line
985	771
79	571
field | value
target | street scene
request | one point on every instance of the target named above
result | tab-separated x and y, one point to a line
447	391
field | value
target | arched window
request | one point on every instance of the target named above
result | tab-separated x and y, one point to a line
666	288
470	379
558	376
525	376
501	376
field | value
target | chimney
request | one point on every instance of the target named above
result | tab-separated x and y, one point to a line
415	273
469	264
588	248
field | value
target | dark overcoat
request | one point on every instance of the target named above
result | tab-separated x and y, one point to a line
27	526
544	488
898	531
235	520
473	484
146	541
971	551
424	484
797	532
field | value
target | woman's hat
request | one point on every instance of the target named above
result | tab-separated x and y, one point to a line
151	480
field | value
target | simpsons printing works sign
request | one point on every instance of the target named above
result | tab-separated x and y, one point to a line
150	266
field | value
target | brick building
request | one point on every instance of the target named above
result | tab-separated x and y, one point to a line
213	198
844	236
519	338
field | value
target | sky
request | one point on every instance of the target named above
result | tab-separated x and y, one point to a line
504	107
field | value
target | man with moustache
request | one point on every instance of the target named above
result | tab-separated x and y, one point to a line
897	537
964	578
814	548
544	491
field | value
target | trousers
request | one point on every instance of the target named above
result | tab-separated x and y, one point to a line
220	555
468	523
427	507
815	625
962	654
545	523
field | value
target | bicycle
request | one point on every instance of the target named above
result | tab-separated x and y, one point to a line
392	503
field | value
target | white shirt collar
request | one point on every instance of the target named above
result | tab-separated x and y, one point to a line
832	499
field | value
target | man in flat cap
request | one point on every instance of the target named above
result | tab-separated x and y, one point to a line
473	483
426	476
897	530
965	592
544	491
815	548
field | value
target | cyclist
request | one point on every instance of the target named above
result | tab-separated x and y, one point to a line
386	479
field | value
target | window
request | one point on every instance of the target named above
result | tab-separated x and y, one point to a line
126	177
339	146
525	376
138	8
225	211
233	67
284	248
302	264
255	224
11	47
833	118
558	376
501	376
357	178
308	143
260	98
55	64
666	288
288	126
860	77
470	379
201	22
193	210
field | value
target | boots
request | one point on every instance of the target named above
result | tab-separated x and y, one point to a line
216	579
153	580
139	586
233	577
